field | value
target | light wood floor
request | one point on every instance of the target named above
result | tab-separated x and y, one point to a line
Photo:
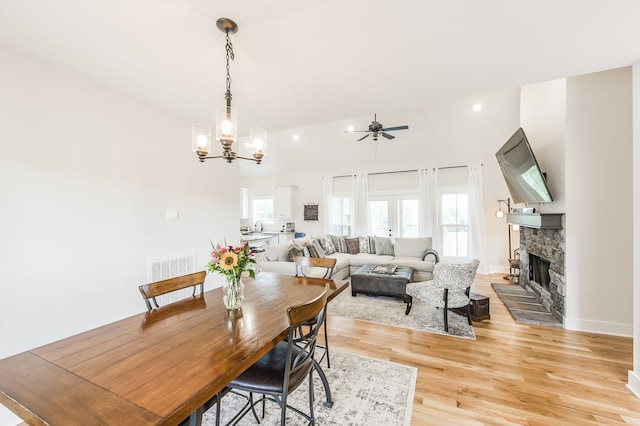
511	374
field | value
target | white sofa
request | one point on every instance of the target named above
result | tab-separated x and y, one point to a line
414	252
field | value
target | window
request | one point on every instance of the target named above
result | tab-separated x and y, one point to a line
455	224
341	215
394	215
263	210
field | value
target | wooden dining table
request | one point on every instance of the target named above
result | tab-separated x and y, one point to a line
158	367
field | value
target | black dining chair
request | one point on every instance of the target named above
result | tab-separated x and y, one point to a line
328	264
283	369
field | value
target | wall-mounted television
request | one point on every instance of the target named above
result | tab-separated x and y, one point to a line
524	178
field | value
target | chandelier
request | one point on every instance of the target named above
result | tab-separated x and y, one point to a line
227	119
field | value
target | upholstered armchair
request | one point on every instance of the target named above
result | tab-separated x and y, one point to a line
449	289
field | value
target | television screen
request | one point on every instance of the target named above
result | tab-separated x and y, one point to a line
521	171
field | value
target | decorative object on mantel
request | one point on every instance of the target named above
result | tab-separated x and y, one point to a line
232	262
311	212
227	119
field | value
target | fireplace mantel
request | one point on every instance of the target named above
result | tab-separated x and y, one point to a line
536	220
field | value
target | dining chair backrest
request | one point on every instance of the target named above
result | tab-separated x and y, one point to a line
303	262
311	316
152	290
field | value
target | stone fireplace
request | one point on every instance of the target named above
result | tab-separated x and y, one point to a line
542	267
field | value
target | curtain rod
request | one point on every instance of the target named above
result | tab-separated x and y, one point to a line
403	171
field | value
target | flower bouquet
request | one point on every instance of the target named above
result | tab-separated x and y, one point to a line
232	262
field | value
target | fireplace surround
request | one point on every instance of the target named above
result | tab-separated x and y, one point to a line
542	273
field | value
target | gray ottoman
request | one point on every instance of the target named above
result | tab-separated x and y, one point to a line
393	285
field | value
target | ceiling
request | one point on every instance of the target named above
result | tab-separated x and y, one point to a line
301	62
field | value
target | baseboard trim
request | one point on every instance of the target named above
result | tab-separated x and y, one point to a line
634	383
601	327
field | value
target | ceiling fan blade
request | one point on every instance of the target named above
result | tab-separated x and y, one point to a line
396	128
386	135
365	136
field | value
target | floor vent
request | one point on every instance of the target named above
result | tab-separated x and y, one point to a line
162	268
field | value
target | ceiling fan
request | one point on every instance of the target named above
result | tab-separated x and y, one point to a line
376	128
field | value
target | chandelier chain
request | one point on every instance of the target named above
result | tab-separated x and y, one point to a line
229	49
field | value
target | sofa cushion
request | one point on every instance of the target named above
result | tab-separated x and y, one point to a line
417	264
327	245
277	252
384	246
362	259
411	247
353	245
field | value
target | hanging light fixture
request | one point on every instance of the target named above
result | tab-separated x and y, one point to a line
226	118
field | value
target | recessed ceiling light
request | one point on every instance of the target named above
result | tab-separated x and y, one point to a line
350	129
296	137
477	107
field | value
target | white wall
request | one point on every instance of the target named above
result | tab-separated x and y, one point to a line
445	134
634	376
599	215
86	177
543	119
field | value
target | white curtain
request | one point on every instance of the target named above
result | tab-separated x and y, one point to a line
327	199
476	218
428	184
361	220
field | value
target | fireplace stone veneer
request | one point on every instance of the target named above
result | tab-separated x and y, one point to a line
548	244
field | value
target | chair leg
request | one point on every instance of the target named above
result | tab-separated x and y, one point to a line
326	344
446	320
311	399
469	313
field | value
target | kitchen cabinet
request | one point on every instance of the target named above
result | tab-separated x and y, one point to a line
283	201
280	237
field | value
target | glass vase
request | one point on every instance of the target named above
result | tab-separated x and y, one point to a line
233	293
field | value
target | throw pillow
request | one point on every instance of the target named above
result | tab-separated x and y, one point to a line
327	245
312	250
384	246
364	245
318	248
342	245
296	251
353	245
372	245
335	239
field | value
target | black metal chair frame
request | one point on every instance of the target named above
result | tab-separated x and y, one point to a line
300	350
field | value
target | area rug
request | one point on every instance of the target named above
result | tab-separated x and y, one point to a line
365	391
390	311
